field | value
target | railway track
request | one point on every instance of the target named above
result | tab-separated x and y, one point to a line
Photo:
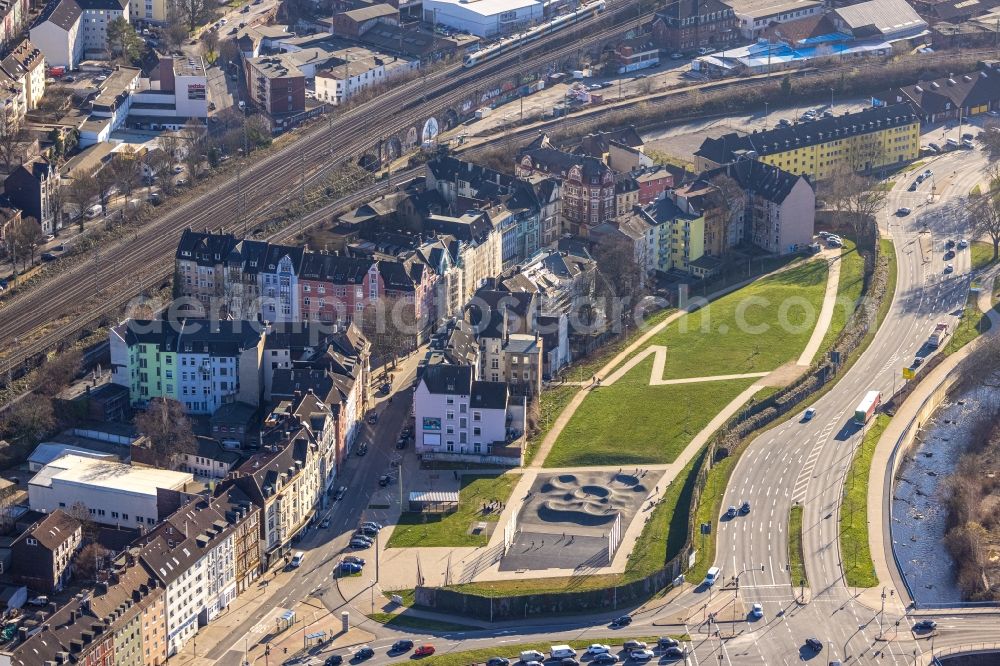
88	290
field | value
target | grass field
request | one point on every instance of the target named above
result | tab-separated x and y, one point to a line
589	366
754	329
854	549
551	403
796	560
972	324
981	254
513	652
452	529
633	423
852	281
708	510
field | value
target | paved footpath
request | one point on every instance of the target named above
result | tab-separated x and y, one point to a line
879	538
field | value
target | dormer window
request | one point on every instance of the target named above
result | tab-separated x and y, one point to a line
31	541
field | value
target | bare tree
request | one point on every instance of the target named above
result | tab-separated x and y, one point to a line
89	560
28	235
58	372
168	429
984	210
210	44
127	167
391	325
106	181
857	198
727	201
30	419
14	140
82	192
189	13
175	32
193	137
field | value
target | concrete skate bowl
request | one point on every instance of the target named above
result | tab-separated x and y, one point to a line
590	501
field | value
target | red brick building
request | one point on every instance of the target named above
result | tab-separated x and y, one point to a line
687	25
335	288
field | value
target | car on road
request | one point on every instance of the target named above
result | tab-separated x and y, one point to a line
528	656
731	512
622	621
49	238
962	244
641	655
968	136
93	211
809	414
606	658
814	644
48	256
297	559
667	641
640	76
384	480
934	147
598	648
784	122
362	653
386	388
401	646
705	50
362	449
359	542
339	494
631	645
949	268
325	523
913	186
950	254
372	524
333	660
366	531
354	559
674	652
757	611
948	244
676	56
903	211
745	508
401	443
498	661
373	418
348	568
607	84
569	661
594	86
917	361
925	625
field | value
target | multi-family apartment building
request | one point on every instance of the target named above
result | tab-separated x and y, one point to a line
200	363
688	25
42	556
475	246
67	30
284	482
25	64
13	16
587	184
193	554
33	187
510	348
462	419
862	141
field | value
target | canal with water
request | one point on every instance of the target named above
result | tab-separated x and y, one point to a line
919	509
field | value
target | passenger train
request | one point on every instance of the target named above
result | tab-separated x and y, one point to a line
509	43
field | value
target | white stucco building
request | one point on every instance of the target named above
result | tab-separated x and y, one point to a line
113	493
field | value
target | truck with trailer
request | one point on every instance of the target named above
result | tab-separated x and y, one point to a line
938	335
867	408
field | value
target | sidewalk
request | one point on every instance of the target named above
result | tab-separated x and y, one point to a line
920	404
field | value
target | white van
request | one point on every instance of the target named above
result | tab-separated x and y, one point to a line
297	558
561	651
532	655
712	576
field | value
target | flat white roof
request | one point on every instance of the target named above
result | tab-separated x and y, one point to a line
78	470
487	7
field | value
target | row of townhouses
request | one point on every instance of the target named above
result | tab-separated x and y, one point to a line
195	548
